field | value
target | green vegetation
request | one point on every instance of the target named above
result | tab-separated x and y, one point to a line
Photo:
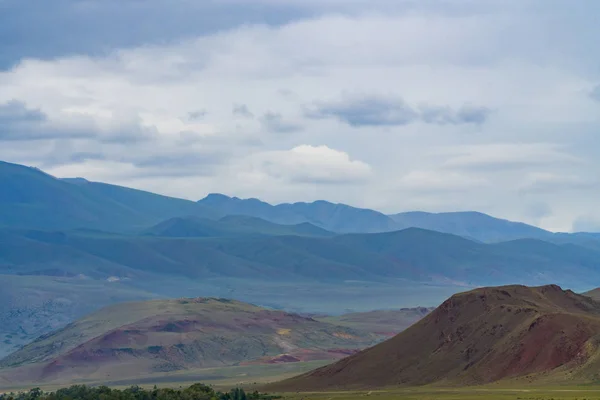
81	392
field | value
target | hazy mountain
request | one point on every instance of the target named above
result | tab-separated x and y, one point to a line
232	225
412	254
333	217
35	200
31	198
478	337
474	225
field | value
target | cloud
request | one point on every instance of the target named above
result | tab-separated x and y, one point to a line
197	115
307	164
445	115
586	223
242	110
551	182
20	123
499	156
66	27
595	93
436	181
274	122
366	111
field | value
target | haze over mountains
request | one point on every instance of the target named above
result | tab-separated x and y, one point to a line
33	199
69	247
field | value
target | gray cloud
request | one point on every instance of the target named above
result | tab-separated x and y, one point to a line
586	223
17	112
44	29
274	122
445	115
197	115
18	122
366	111
21	123
388	111
595	93
242	110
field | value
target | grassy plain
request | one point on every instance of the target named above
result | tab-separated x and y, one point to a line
565	393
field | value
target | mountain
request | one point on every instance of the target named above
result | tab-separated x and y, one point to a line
345	219
56	276
413	254
230	226
33	199
135	339
474	225
482	336
332	217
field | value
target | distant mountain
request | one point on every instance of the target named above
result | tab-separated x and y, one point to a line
137	339
413	254
478	337
345	219
473	225
230	226
332	217
33	199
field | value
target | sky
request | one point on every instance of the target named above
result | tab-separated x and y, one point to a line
396	105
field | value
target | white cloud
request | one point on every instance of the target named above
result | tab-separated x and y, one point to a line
307	164
438	181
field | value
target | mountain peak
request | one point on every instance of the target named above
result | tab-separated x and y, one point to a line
215	198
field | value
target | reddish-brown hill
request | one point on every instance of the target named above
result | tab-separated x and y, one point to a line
154	337
475	337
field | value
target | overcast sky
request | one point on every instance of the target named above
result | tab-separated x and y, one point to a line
487	105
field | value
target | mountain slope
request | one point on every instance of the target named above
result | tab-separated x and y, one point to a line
33	199
230	226
134	339
332	217
474	225
413	254
476	337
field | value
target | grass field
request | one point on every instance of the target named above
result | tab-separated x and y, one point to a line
574	393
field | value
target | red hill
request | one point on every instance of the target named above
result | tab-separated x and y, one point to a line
476	337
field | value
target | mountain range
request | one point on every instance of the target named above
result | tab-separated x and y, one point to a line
33	199
69	247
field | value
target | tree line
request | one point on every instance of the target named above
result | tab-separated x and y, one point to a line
83	392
